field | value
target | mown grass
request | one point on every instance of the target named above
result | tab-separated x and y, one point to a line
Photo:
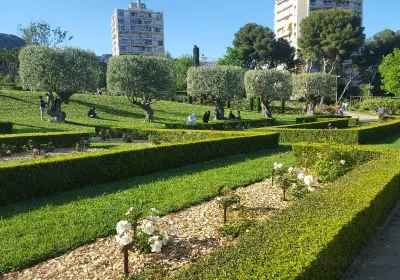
36	230
21	108
392	142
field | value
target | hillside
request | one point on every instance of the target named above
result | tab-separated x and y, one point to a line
11	41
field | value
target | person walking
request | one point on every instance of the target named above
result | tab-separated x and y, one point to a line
42	107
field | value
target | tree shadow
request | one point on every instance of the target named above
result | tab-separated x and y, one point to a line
16	99
109	110
94	191
38	128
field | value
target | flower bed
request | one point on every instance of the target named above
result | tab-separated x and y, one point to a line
329	228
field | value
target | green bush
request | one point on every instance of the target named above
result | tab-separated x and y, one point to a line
226	125
317	237
6	127
373	104
321	124
59	139
308	119
22	181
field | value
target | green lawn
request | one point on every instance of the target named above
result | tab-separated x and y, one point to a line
392	142
36	230
21	108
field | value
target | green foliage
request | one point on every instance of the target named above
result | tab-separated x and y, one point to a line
64	71
329	228
226	125
82	145
181	66
24	181
135	76
218	82
373	104
71	219
231	58
313	86
6	127
390	71
251	104
268	85
9	63
258	104
328	170
329	36
237	227
256	46
6	150
59	139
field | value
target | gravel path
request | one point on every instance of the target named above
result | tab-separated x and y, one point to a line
198	235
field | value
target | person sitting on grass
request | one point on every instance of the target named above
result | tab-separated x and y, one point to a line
206	117
231	116
92	113
238	116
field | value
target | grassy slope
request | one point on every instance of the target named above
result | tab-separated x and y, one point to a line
21	108
33	231
392	142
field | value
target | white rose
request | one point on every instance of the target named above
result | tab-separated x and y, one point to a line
300	176
156	246
123	226
124	239
290	169
308	180
165	240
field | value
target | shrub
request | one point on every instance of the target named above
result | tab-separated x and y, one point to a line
226	125
6	127
373	104
59	139
317	237
21	181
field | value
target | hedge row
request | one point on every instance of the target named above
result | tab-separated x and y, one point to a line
6	127
324	124
317	237
51	176
357	135
59	139
226	125
308	119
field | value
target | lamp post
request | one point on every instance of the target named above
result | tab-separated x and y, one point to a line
337	87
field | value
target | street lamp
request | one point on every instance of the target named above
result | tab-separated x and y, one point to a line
337	87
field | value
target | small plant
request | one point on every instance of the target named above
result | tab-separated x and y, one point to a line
227	199
330	170
105	134
127	138
32	148
82	145
154	139
237	228
47	148
6	150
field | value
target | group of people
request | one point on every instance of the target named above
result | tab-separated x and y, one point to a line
206	117
340	108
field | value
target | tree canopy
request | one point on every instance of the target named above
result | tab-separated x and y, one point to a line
231	58
269	85
313	87
42	34
330	36
182	65
220	83
141	78
9	63
390	71
256	47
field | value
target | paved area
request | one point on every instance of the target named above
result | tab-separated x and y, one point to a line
380	260
363	118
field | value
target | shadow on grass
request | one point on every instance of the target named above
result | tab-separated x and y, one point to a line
109	110
36	128
16	99
388	140
104	189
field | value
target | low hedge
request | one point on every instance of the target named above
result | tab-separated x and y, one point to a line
22	181
341	123
6	127
317	118
378	131
226	125
59	139
317	237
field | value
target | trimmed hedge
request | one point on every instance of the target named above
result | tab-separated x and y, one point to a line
317	237
59	139
317	118
51	176
342	123
226	125
6	127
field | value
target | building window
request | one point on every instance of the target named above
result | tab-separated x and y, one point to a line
121	27
160	43
121	21
120	14
157	29
148	49
148	42
134	14
147	22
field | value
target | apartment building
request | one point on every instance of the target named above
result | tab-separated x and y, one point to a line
289	14
137	30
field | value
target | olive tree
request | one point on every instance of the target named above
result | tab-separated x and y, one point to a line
142	79
269	85
221	83
313	87
60	71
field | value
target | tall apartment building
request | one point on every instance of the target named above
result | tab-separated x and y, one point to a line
137	30
289	14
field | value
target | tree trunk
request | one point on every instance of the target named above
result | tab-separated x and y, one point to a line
266	111
54	108
322	100
219	110
283	106
145	104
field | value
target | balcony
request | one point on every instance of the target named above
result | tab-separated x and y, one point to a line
282	7
334	4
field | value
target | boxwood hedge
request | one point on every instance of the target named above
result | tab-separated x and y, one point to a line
316	238
226	125
59	139
22	181
6	127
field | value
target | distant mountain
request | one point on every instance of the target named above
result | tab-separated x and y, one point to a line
104	57
11	41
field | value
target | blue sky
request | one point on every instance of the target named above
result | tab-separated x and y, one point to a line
210	24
